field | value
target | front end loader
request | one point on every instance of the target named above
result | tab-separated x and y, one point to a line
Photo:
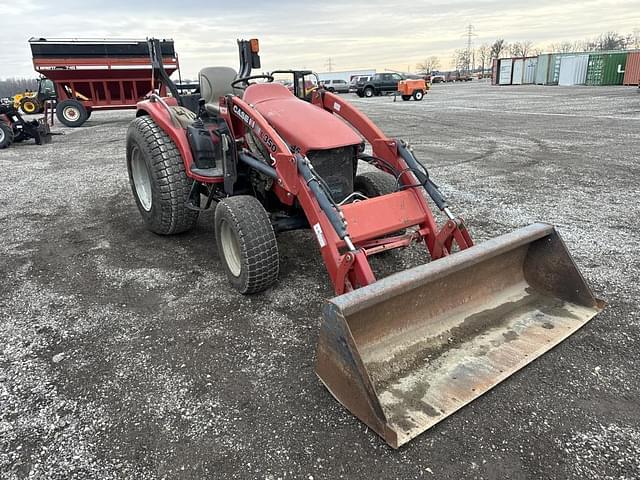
401	352
15	129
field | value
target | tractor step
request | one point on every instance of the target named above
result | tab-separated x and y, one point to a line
208	172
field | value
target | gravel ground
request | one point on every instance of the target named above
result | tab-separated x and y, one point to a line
124	355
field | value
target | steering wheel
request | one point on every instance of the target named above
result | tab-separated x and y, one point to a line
245	80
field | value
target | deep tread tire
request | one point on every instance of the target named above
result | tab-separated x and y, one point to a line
170	185
375	183
64	110
406	97
418	95
6	135
246	220
29	106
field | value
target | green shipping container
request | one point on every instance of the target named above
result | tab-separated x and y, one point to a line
554	68
606	68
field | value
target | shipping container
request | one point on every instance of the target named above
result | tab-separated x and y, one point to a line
494	71
573	70
554	68
505	70
606	68
518	71
632	69
542	69
529	75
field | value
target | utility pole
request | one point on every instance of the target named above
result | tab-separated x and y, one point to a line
329	64
470	34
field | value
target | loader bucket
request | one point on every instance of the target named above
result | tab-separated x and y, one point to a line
409	350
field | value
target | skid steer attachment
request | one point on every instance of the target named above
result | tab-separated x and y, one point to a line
409	350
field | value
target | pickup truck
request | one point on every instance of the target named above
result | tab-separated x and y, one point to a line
379	84
407	86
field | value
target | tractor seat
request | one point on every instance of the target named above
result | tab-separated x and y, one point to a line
215	82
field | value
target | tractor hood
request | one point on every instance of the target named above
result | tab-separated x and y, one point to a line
299	123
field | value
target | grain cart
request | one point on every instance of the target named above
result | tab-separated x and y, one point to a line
91	75
402	352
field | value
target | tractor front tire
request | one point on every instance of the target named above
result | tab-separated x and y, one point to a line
6	136
158	179
375	183
418	95
246	244
71	113
406	98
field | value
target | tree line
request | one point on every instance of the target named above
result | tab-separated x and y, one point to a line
10	86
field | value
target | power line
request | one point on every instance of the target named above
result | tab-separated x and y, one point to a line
470	33
329	64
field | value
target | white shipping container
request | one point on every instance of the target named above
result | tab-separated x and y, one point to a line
518	71
573	70
542	69
506	65
529	75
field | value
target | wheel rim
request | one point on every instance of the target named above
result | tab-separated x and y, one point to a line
2	135
230	248
141	179
368	93
419	96
29	107
71	114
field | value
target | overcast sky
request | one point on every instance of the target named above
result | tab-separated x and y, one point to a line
297	34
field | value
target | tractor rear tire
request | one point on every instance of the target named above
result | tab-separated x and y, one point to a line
71	113
375	183
406	98
6	135
246	244
418	95
158	179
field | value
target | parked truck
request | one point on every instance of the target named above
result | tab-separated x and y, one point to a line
386	83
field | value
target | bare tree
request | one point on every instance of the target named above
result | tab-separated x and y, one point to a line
607	41
428	65
521	49
497	48
462	59
483	54
635	39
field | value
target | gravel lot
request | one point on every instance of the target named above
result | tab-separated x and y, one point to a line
124	355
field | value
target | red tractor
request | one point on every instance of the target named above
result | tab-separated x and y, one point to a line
402	352
15	129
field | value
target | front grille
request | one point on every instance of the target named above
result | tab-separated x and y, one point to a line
336	167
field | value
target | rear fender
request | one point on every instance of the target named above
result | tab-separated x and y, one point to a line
164	120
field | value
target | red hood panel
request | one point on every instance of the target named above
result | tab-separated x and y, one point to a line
299	123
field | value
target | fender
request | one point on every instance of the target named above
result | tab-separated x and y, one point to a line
161	116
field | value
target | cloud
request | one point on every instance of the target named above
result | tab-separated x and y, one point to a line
357	34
